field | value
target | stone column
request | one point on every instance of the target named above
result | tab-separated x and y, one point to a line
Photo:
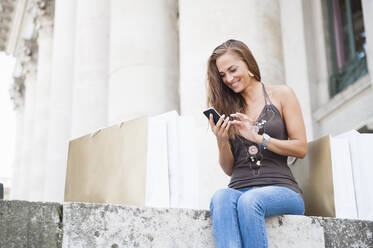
26	54
204	27
299	69
89	109
22	181
44	25
59	128
144	67
17	95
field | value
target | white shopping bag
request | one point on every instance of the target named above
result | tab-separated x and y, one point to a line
325	176
361	150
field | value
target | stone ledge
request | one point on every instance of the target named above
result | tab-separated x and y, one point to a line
31	224
103	225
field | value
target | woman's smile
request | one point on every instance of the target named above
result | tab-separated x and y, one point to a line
235	84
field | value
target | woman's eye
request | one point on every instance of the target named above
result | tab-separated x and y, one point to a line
233	70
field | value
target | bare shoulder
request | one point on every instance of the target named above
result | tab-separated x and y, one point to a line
280	93
281	89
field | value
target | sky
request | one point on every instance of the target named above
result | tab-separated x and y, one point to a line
7	117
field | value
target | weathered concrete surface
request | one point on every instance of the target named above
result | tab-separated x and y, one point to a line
34	224
346	233
30	224
294	231
101	225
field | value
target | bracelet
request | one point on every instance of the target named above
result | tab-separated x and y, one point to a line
266	140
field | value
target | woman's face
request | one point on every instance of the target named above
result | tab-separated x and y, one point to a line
233	71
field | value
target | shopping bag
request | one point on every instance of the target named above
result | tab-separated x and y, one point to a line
325	176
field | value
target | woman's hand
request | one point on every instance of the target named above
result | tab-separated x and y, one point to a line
246	128
221	128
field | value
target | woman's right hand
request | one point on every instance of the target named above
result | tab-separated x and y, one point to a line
221	128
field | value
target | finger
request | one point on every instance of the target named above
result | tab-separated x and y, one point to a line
237	123
211	121
227	128
218	124
241	116
223	126
225	123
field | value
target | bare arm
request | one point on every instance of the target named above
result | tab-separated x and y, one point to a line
292	114
220	130
226	159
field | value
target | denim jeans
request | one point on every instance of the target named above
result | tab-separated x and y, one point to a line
238	215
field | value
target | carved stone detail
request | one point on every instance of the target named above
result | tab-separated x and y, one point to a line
42	12
27	55
42	15
16	92
6	12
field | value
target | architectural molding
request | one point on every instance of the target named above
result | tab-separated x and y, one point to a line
27	55
26	66
337	101
17	91
26	52
42	12
6	17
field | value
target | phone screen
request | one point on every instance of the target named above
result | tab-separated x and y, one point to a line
215	114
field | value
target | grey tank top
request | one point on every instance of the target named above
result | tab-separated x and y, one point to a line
272	168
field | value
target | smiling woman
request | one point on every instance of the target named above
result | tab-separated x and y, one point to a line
261	125
7	124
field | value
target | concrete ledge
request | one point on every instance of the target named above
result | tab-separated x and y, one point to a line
102	225
30	224
346	233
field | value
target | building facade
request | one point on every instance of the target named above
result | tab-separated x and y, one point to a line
83	65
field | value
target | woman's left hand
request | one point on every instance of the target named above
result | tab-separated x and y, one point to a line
246	127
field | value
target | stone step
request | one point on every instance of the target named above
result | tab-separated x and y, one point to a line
36	224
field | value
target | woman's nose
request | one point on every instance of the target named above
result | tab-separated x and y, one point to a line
229	78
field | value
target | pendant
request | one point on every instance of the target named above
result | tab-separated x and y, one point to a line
253	150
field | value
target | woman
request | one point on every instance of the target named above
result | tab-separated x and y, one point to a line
260	127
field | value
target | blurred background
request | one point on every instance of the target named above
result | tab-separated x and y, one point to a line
70	67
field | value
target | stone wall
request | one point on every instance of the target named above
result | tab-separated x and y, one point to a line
31	224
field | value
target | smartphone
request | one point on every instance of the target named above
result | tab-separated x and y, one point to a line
215	114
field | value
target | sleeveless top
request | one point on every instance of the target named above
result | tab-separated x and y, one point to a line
272	168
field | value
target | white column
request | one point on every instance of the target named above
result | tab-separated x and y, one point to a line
40	138
15	189
17	95
89	110
367	6
59	127
23	178
144	68
204	27
297	67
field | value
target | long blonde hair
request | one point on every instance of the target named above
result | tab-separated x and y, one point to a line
220	96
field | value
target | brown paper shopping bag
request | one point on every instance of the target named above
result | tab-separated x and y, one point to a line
325	176
109	166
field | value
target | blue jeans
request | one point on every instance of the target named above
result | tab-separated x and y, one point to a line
238	215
